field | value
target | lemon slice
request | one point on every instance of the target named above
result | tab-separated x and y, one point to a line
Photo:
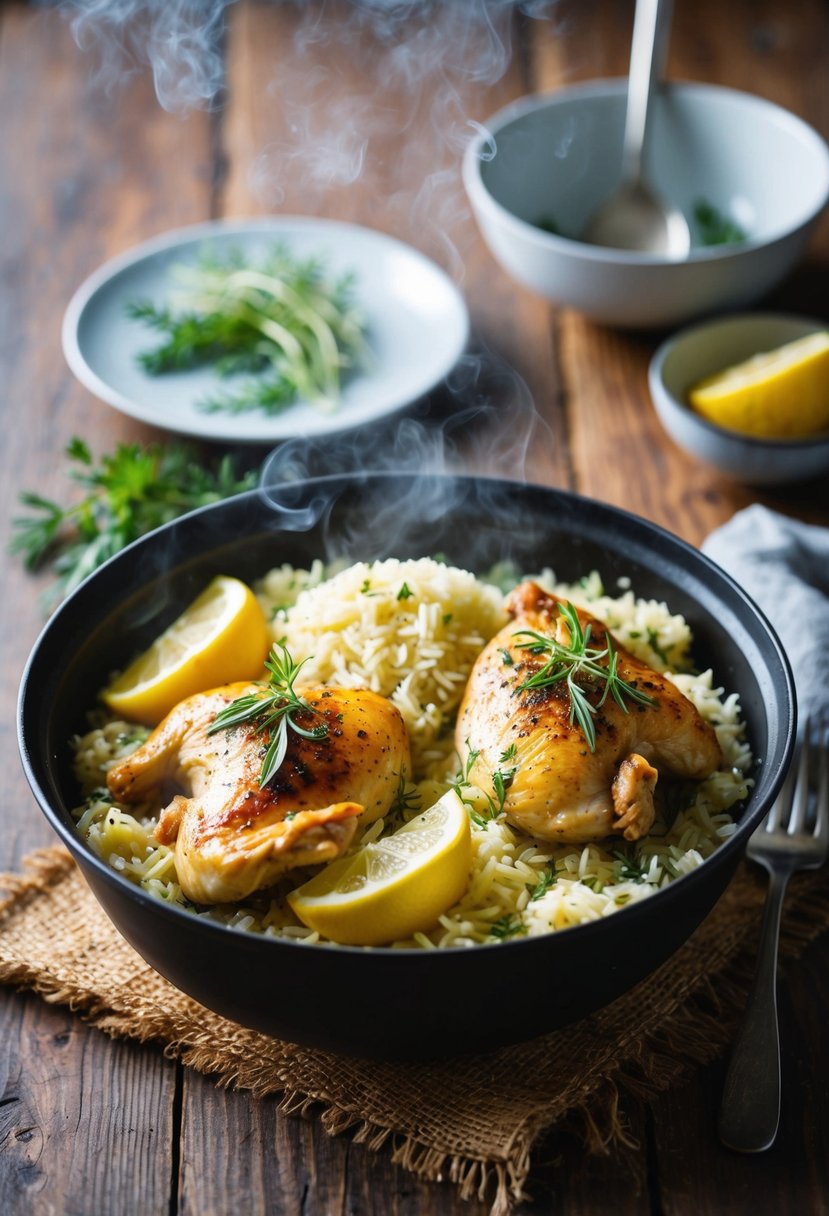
221	637
394	887
782	393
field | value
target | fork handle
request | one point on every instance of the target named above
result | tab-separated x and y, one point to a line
750	1110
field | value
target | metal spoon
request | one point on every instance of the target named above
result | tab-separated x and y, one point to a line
633	217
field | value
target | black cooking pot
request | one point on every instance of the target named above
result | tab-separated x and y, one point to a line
383	1002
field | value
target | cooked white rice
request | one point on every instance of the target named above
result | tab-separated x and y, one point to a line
411	630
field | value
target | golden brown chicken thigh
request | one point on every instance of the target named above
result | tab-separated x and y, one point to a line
559	789
233	837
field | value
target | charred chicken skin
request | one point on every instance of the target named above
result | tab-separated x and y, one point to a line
233	837
557	788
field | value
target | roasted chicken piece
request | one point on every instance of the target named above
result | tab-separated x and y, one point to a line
561	790
233	837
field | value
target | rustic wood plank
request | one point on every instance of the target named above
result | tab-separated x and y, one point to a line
697	1174
273	1163
86	1123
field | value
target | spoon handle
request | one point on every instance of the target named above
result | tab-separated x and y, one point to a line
648	51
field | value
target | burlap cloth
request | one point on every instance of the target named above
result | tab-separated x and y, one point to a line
473	1121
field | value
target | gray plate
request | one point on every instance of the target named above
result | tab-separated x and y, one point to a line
417	320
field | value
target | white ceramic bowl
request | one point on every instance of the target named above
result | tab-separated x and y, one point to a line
708	348
559	156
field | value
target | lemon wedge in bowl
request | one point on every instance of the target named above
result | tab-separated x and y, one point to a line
782	393
219	638
393	887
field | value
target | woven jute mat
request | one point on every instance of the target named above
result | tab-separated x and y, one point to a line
473	1121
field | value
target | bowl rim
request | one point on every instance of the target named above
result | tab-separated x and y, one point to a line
614	87
73	607
664	398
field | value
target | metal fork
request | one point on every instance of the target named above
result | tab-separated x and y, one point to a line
793	836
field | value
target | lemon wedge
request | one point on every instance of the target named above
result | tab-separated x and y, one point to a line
393	887
782	393
221	637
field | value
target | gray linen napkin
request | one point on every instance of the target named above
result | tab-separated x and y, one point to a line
784	566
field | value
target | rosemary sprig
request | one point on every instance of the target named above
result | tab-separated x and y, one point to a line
272	709
595	666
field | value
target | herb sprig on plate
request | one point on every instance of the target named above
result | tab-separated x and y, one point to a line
273	709
127	494
576	661
282	325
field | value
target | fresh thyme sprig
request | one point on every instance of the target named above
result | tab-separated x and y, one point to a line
598	667
273	710
502	779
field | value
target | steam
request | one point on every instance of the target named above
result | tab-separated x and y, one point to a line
180	41
484	420
362	75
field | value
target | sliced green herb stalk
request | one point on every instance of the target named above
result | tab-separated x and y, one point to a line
577	663
272	708
289	330
127	494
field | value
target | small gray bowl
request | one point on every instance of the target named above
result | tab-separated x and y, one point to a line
555	158
701	351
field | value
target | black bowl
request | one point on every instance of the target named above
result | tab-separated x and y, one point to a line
383	1002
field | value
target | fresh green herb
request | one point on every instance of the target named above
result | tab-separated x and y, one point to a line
653	642
506	657
282	323
127	494
547	224
508	754
406	798
630	869
507	926
463	782
501	781
714	228
405	592
273	709
132	738
597	667
547	879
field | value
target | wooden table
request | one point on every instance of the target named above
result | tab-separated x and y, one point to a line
321	118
